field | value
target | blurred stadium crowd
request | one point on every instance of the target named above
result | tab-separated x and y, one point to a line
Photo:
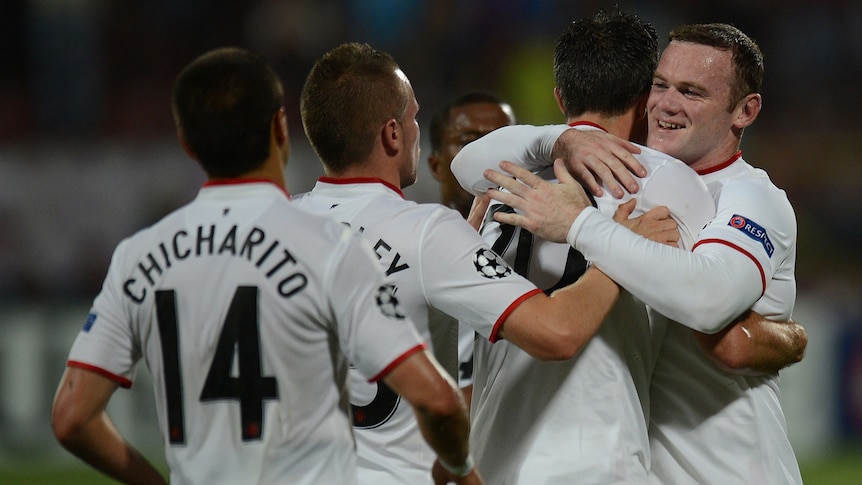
85	87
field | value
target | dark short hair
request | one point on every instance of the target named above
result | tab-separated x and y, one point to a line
349	94
440	119
746	57
223	103
605	63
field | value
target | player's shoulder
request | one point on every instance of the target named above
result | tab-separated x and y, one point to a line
747	180
652	159
421	212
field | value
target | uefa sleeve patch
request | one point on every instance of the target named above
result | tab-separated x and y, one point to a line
754	231
489	265
91	319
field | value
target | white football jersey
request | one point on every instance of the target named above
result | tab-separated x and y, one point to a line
730	429
435	260
582	420
246	311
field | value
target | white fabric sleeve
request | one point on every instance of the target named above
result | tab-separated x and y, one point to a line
455	282
527	146
373	331
107	342
704	290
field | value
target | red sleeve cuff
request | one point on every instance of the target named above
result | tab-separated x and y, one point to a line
122	381
394	363
495	333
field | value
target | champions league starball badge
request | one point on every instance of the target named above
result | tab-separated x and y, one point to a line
388	303
489	265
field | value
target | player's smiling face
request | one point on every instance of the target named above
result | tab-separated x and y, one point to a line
688	105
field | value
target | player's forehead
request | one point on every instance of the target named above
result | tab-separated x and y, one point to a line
481	116
696	64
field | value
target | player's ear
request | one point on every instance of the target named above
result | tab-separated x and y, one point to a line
435	165
747	110
559	97
640	108
279	126
390	136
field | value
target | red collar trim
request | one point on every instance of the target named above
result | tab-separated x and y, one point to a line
736	156
360	180
587	123
240	181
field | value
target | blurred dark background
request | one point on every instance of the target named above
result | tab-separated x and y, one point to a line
85	89
88	154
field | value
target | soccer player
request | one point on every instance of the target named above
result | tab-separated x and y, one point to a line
460	121
708	425
464	119
359	114
245	310
584	420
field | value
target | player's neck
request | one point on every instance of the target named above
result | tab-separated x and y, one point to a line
620	126
370	169
272	170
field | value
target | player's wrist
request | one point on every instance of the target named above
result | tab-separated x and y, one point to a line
460	471
574	229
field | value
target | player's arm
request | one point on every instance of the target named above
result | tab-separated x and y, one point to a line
755	345
558	326
81	425
478	210
678	284
596	157
441	413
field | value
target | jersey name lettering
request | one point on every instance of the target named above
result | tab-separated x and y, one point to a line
267	254
383	249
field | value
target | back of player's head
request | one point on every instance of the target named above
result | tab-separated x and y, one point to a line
605	63
223	104
746	55
349	94
440	120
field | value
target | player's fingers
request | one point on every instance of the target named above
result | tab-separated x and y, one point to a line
585	176
511	219
672	238
562	173
608	176
525	176
626	157
507	198
624	210
629	146
659	213
502	180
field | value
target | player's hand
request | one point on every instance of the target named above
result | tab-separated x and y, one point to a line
443	477
656	224
477	211
595	157
546	209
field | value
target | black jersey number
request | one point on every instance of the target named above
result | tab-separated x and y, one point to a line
575	266
239	337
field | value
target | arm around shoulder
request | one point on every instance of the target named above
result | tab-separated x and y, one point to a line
558	326
754	345
524	145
